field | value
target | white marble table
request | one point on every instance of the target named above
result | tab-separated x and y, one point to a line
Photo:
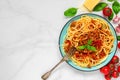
29	32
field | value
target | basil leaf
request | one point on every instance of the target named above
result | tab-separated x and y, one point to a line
111	16
116	7
89	42
88	47
70	12
93	48
118	38
100	6
110	0
81	47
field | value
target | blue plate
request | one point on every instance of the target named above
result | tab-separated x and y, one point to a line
64	32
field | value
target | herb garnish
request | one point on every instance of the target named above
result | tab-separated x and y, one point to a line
70	12
87	46
100	6
115	7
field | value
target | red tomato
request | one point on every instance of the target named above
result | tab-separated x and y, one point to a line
111	66
115	74
107	11
108	77
119	45
105	70
115	59
118	69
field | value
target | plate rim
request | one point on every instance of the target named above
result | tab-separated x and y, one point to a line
80	16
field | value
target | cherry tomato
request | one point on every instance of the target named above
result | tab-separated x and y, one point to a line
115	59
108	77
105	70
107	11
115	74
111	66
118	69
119	45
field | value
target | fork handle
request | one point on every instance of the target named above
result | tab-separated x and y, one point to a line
47	74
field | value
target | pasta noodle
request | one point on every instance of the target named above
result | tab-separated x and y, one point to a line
84	29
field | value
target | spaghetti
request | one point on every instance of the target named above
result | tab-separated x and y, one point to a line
80	32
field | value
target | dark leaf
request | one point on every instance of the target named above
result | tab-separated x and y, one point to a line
110	0
111	16
70	12
118	38
116	7
100	6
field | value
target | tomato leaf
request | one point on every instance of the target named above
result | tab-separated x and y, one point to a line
70	12
116	7
111	16
100	6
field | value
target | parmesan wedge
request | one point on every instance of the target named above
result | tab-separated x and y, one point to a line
90	4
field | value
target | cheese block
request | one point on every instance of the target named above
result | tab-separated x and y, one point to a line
90	4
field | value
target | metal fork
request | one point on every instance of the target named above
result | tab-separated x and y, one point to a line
65	58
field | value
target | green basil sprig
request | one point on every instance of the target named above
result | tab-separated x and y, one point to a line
87	46
92	48
116	7
100	6
70	12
